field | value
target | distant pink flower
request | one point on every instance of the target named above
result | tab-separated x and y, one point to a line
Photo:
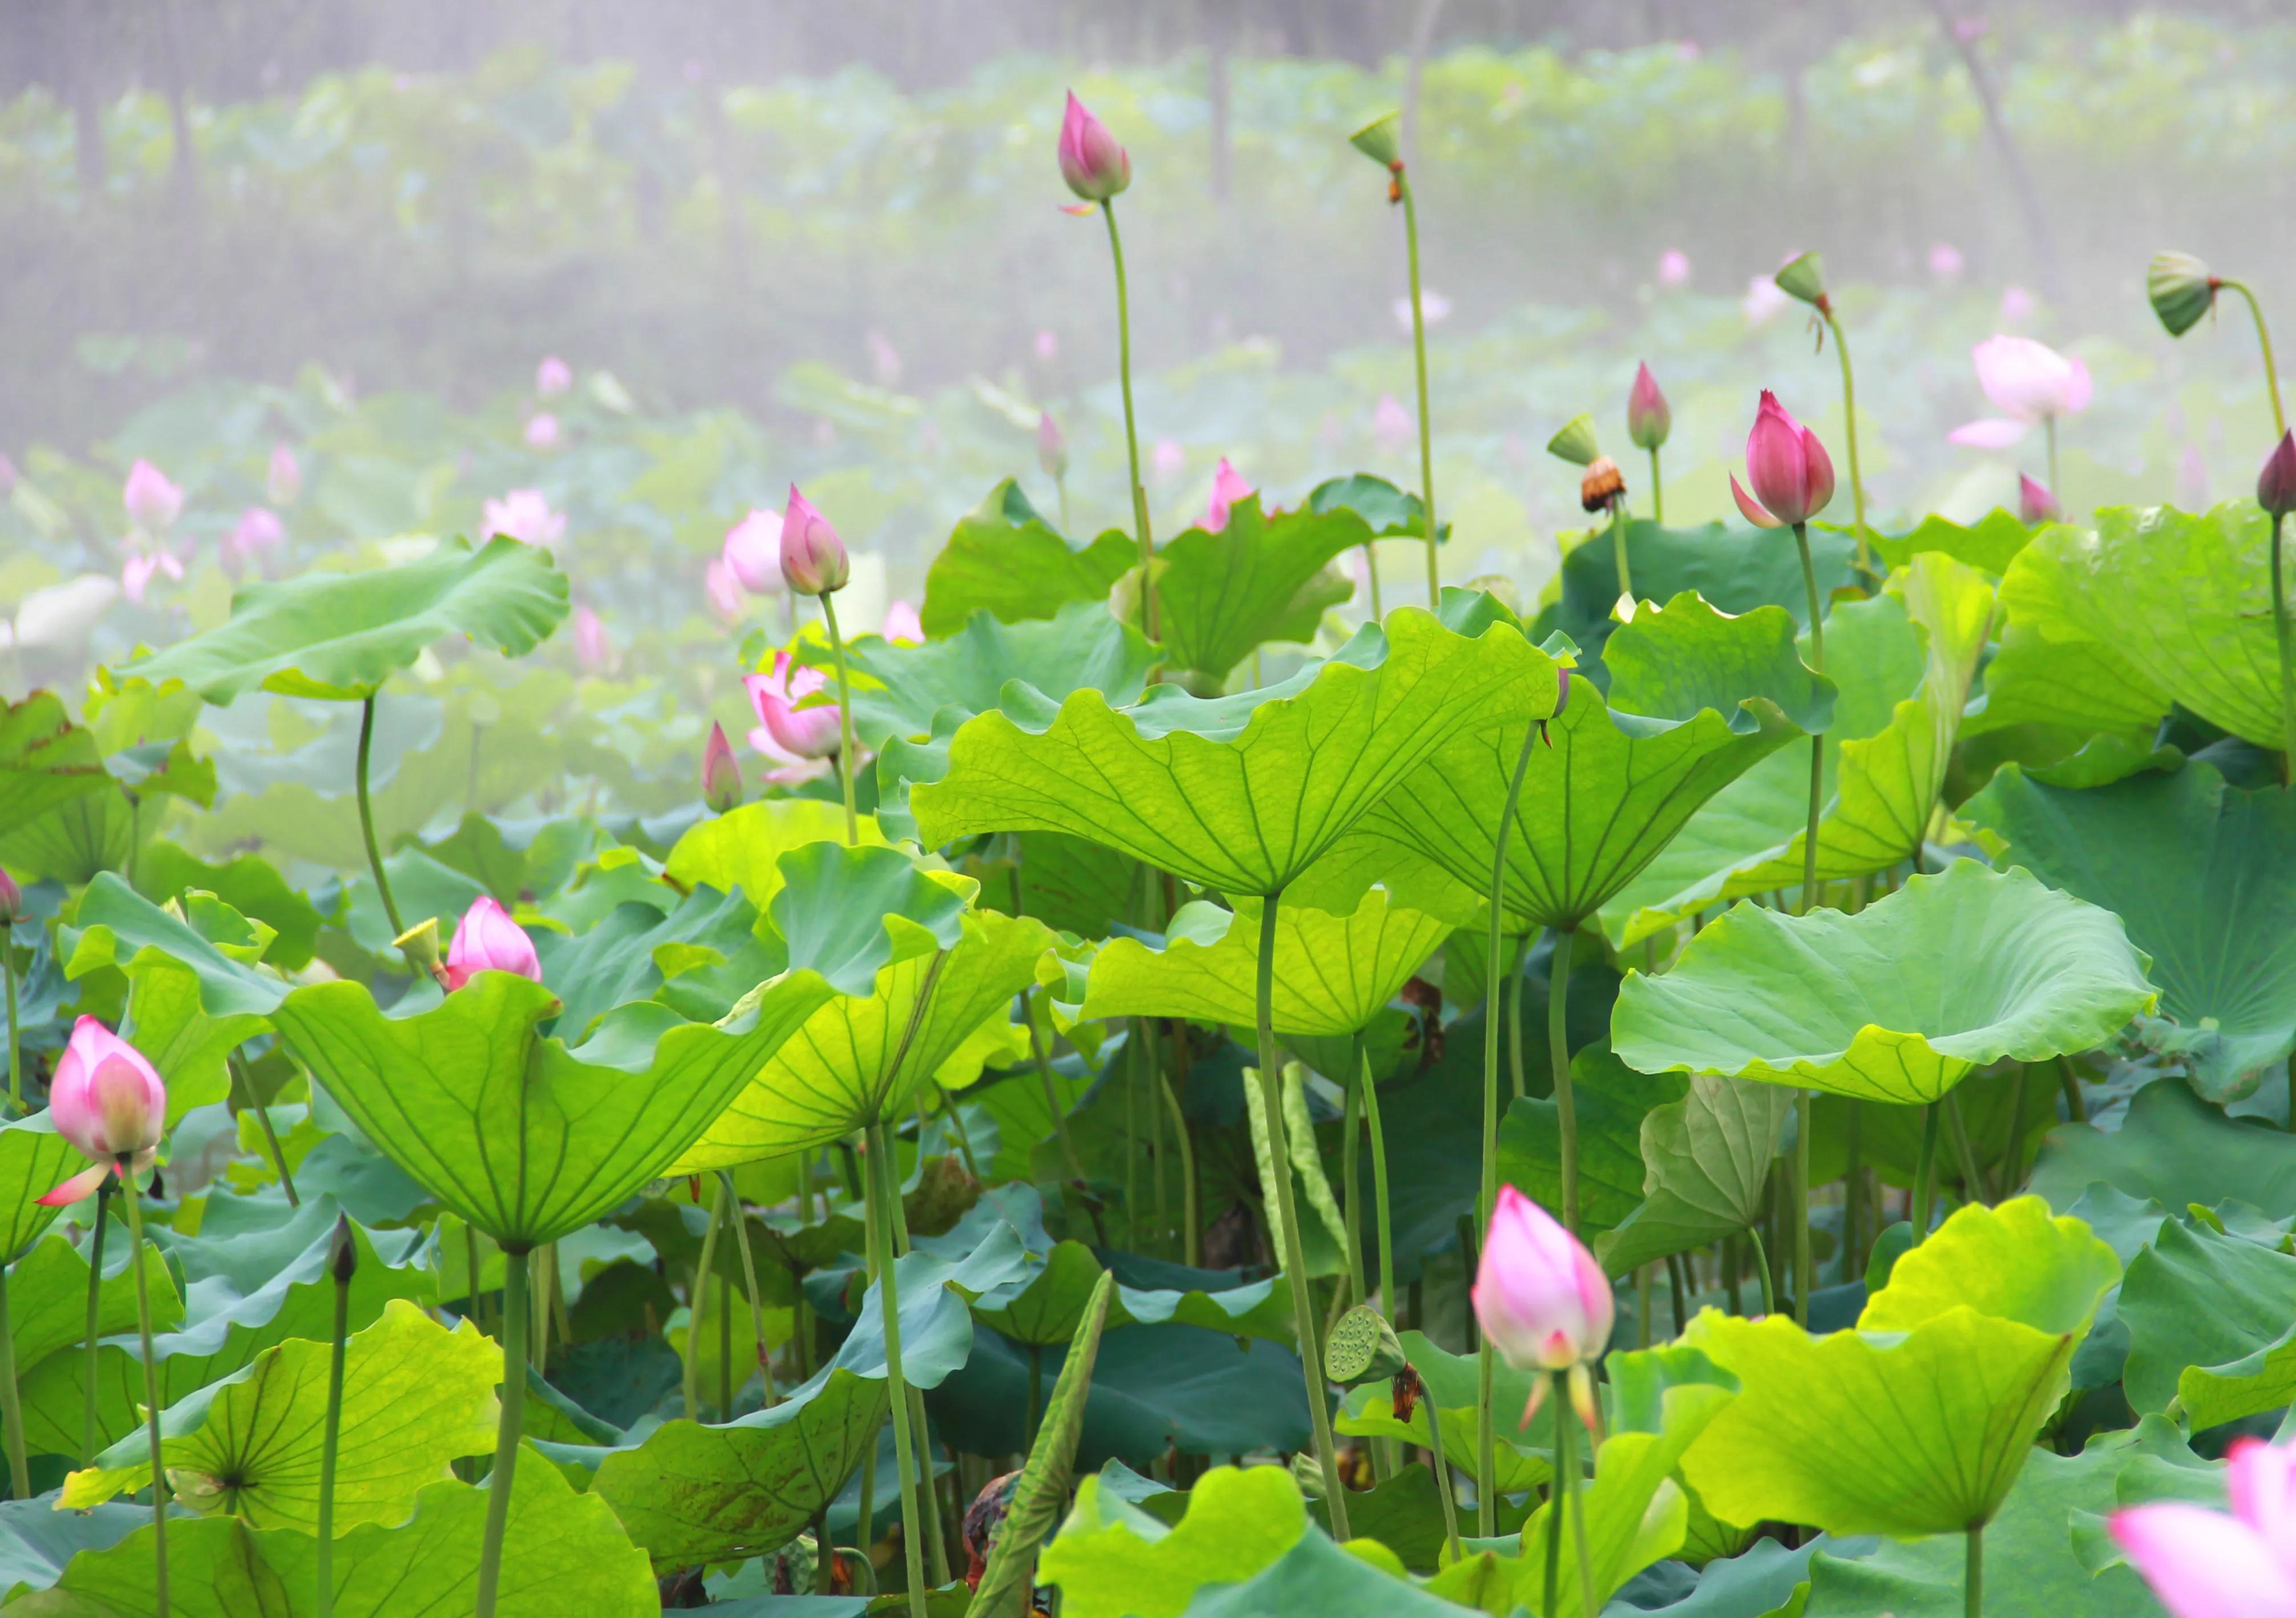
1764	300
2016	305
1093	165
486	940
1969	30
814	561
258	530
594	648
721	777
107	1099
1168	458
723	590
796	739
1052	447
2205	1563
135	574
1435	307
1391	425
1229	487
903	627
152	502
1048	344
1945	261
542	430
1674	267
2035	502
2028	382
884	359
1649	421
284	479
1791	473
552	377
753	551
524	515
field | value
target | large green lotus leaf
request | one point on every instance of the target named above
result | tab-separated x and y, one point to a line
1316	1576
1049	1307
1392	512
740	851
1919	1421
1005	560
857	1060
2208	1316
119	927
691	1493
415	1397
1737	569
1707	1163
2203	875
250	885
562	1553
1261	578
340	635
1697	698
1113	1560
636	951
2082	685
1991	543
1333	974
33	1161
2185	600
1895	1003
1241	793
46	760
2174	1148
1613	1103
901	687
47	1298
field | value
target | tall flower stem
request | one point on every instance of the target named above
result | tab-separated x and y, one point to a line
1805	1272
1810	890
1850	430
2280	633
1382	1224
1487	1196
87	1431
15	1050
845	760
1419	355
1287	1214
506	1432
1925	1172
1972	1595
151	1402
741	1224
1567	1485
1371	573
1152	617
2263	342
878	1168
246	1085
12	1410
1658	493
1618	545
366	817
1762	1270
694	1307
1191	1239
344	1257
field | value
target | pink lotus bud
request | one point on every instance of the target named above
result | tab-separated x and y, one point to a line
1648	419
2016	305
1229	487
2205	1563
1093	165
1048	344
284	480
542	430
1945	261
486	939
785	731
721	777
1674	267
1538	1295
2036	503
11	904
813	557
723	590
1792	474
552	377
2275	485
1052	447
107	1099
594	648
902	625
1168	459
753	551
136	573
1390	424
258	530
152	502
524	515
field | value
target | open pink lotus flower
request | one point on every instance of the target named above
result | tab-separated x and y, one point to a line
2206	1564
525	515
108	1100
902	625
1674	267
2028	383
753	553
136	573
486	940
1229	487
798	740
1541	1298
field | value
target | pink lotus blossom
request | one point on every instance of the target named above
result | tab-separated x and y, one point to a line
258	530
721	777
486	940
796	739
1052	447
594	648
753	551
1791	473
2276	484
152	502
1229	487
1945	260
2206	1564
1649	421
1391	426
284	479
1674	267
552	377
2016	305
903	627
1969	30
1540	1298
723	590
11	904
813	560
1048	344
1167	458
2028	382
136	573
524	515
1433	307
1093	165
542	430
108	1100
1764	300
2036	503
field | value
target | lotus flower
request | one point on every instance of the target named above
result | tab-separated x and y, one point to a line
1048	344
552	377
594	648
723	590
2016	305
1763	299
1433	307
1945	261
1229	487
136	573
1648	419
486	939
902	625
107	1099
1674	267
284	480
1093	165
1541	1298
1391	426
542	430
813	557
796	739
12	903
1792	474
753	551
2028	382
2275	485
2206	1564
152	502
524	515
2036	503
1052	447
721	777
1167	458
258	530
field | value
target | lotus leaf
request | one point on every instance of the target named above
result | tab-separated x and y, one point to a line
1005	560
1262	577
1080	647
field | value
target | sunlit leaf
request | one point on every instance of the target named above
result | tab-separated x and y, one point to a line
1262	577
1005	560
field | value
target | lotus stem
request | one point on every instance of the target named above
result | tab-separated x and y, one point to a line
1419	355
2287	664
1514	1015
845	760
1350	1164
15	1051
2077	1109
1853	1191
1972	1178
1371	573
12	1410
1052	1098
1678	1292
1287	1210
342	1264
750	1275
2263	342
88	1432
1805	1267
1925	1173
506	1433
254	1102
1816	743
1191	1240
1382	1225
1558	1047
1152	617
1618	549
1850	431
1657	494
696	1295
1762	1269
152	1402
1060	488
1036	1393
1567	1491
1972	1598
366	817
1443	1477
878	1168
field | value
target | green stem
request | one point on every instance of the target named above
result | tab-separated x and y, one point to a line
1816	743
750	1275
1805	1267
1972	1598
1152	616
1566	1462
1514	1015
2264	342
1053	1100
2077	1109
1762	1270
263	1116
1350	1175
1287	1214
694	1307
88	1432
1558	1055
1191	1240
15	1052
1658	495
366	819
1036	1393
1973	1181
1443	1477
1618	547
1849	425
2287	670
845	760
12	1410
1382	1224
879	1172
151	1402
1925	1172
506	1433
331	1435
1419	355
1371	573
1060	487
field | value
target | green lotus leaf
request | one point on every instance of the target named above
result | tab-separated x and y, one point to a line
2204	877
691	1493
48	1296
1112	1560
167	1022
638	953
1614	1104
1737	569
1333	974
1067	883
2184	600
858	1060
1895	1003
2174	1148
740	851
251	885
898	689
1241	793
2208	1316
415	1397
1991	543
1707	1164
1050	1306
1392	512
2080	685
119	927
1697	698
1919	1421
339	637
33	1161
1264	576
46	760
1006	561
562	1553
